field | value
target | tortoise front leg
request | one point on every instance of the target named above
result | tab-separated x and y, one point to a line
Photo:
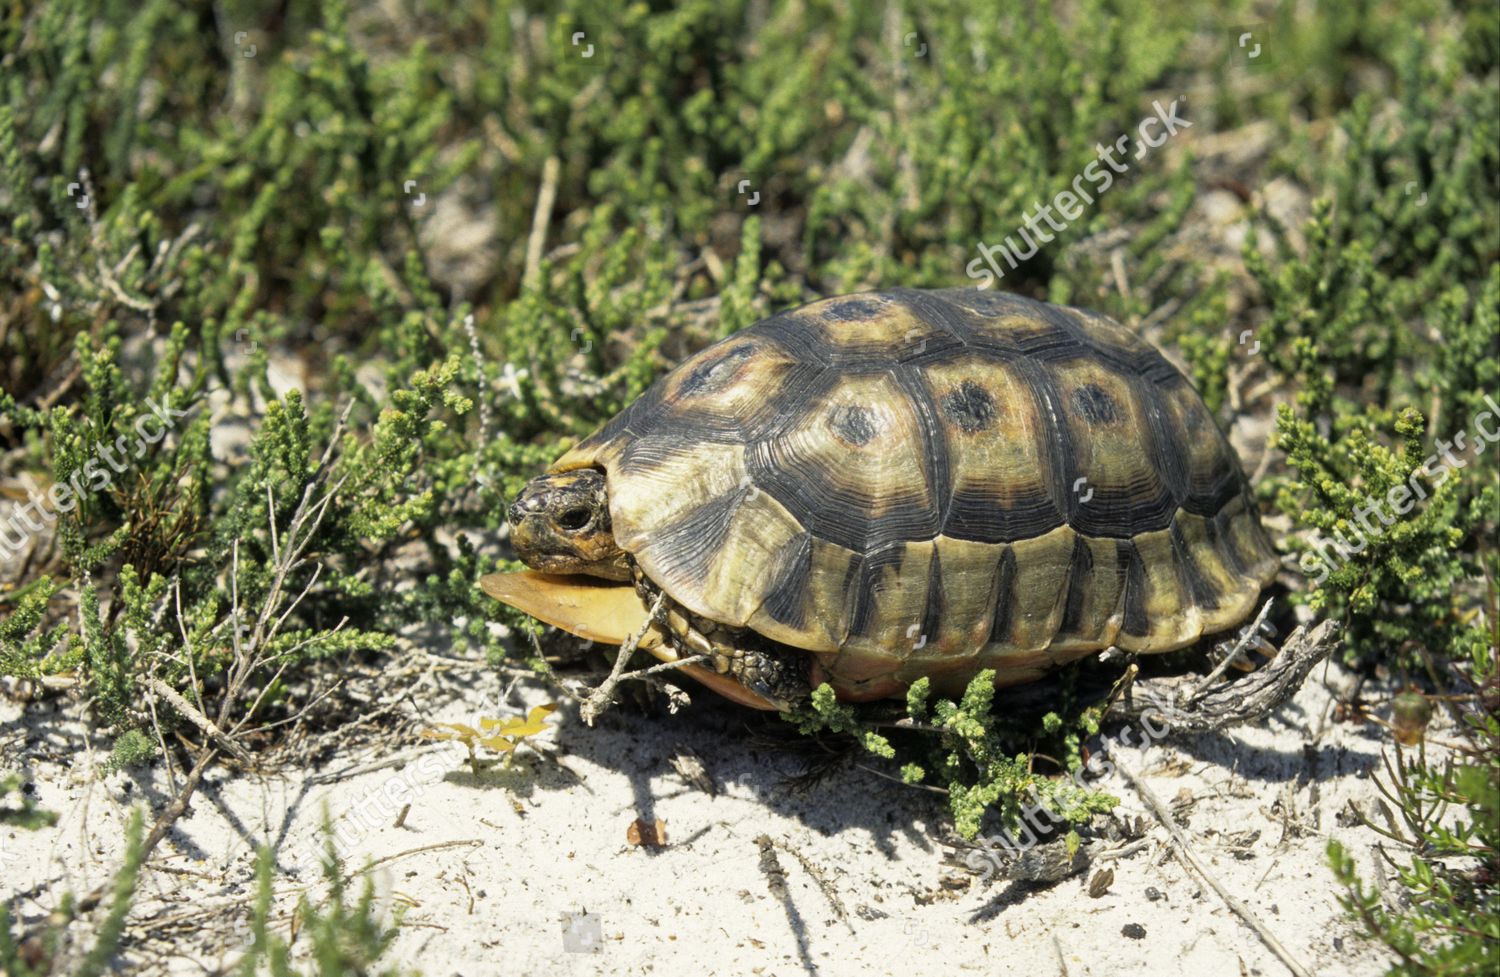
773	672
779	677
777	674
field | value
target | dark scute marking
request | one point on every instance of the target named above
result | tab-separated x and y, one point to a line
867	573
847	588
786	601
985	302
1203	493
1005	597
933	613
716	373
800	337
1157	369
852	310
1066	339
1141	360
970	407
1080	585
1209	500
1061	341
1040	348
1058	454
836	508
632	420
1133	356
935	444
1123	511
1061	317
803	387
1135	589
1224	539
850	512
691	542
1119	574
852	424
1169	448
1189	572
914	347
1094	405
711	419
937	312
979	517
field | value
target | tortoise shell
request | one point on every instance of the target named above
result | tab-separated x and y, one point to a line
911	483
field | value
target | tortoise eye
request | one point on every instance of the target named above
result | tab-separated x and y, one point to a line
574	519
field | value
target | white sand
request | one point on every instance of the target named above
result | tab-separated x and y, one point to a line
549	839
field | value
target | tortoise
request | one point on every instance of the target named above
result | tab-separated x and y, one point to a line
879	487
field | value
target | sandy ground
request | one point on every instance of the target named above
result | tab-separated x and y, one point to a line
529	871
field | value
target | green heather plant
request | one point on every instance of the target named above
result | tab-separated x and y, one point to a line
37	955
1443	820
1386	326
1387	329
973	752
343	936
368	268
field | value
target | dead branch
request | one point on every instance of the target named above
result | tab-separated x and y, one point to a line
1179	705
600	699
198	719
540	218
1249	634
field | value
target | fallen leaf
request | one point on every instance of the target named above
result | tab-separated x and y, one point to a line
647	834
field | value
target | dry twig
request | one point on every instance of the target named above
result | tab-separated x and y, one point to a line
1249	635
249	650
1170	702
597	701
198	719
1191	858
545	199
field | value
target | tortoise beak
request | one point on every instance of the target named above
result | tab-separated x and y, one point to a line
523	534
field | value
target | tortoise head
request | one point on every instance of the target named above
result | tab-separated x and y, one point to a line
560	524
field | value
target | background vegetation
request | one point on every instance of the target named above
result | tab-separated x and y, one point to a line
387	260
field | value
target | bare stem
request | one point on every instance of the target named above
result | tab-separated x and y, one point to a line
600	699
1191	857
